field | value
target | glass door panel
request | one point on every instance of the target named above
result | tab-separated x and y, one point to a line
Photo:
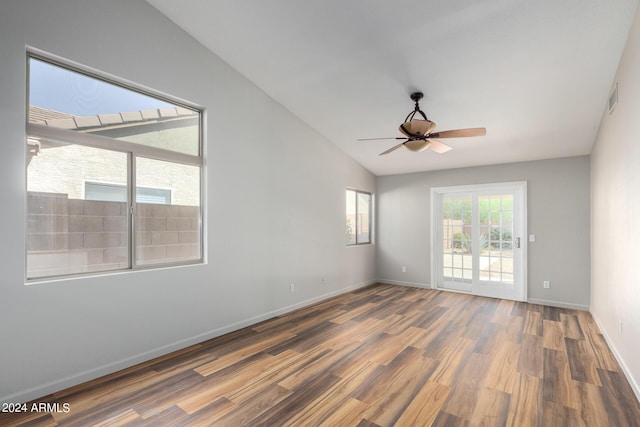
457	257
495	242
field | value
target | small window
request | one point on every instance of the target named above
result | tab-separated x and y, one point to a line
113	175
358	217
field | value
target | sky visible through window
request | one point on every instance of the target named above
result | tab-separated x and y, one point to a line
59	89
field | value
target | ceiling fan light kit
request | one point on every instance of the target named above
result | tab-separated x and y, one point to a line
417	145
419	133
417	127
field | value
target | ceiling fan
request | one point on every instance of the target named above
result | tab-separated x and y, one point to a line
420	134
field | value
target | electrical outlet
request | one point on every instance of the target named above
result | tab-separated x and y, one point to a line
292	288
404	268
545	284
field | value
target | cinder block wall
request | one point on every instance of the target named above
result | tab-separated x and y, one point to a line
67	236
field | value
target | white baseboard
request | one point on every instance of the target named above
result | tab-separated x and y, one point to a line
400	283
627	373
559	304
63	383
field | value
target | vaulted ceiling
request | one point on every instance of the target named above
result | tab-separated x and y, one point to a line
536	74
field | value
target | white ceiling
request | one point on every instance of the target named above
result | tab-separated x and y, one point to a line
537	74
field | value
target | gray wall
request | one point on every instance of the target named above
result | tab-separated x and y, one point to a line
615	216
274	211
558	214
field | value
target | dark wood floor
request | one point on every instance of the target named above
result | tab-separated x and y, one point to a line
383	355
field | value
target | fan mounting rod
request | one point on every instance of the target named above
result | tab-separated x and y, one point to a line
416	97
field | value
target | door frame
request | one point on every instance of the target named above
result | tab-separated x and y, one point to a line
436	229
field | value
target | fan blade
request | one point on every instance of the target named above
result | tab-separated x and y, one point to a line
438	146
375	139
460	133
395	147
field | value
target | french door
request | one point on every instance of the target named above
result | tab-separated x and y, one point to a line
478	239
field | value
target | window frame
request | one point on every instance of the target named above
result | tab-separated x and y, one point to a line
369	214
133	152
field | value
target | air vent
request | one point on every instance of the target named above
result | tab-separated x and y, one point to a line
613	98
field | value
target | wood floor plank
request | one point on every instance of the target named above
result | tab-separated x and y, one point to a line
492	408
551	313
382	355
533	323
503	373
283	411
571	326
531	359
401	389
488	339
30	419
469	382
513	331
169	416
445	419
553	337
557	384
369	329
428	316
398	323
526	407
519	309
423	336
503	311
348	315
121	419
254	407
327	362
112	396
289	363
210	413
313	320
586	322
589	404
237	356
349	413
416	337
345	334
478	327
597	347
214	387
619	401
452	359
321	407
425	406
582	363
308	338
161	395
390	347
441	340
556	414
376	386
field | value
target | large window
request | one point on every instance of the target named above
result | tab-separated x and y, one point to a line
358	217
113	175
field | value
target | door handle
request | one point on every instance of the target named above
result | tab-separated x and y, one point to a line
518	242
